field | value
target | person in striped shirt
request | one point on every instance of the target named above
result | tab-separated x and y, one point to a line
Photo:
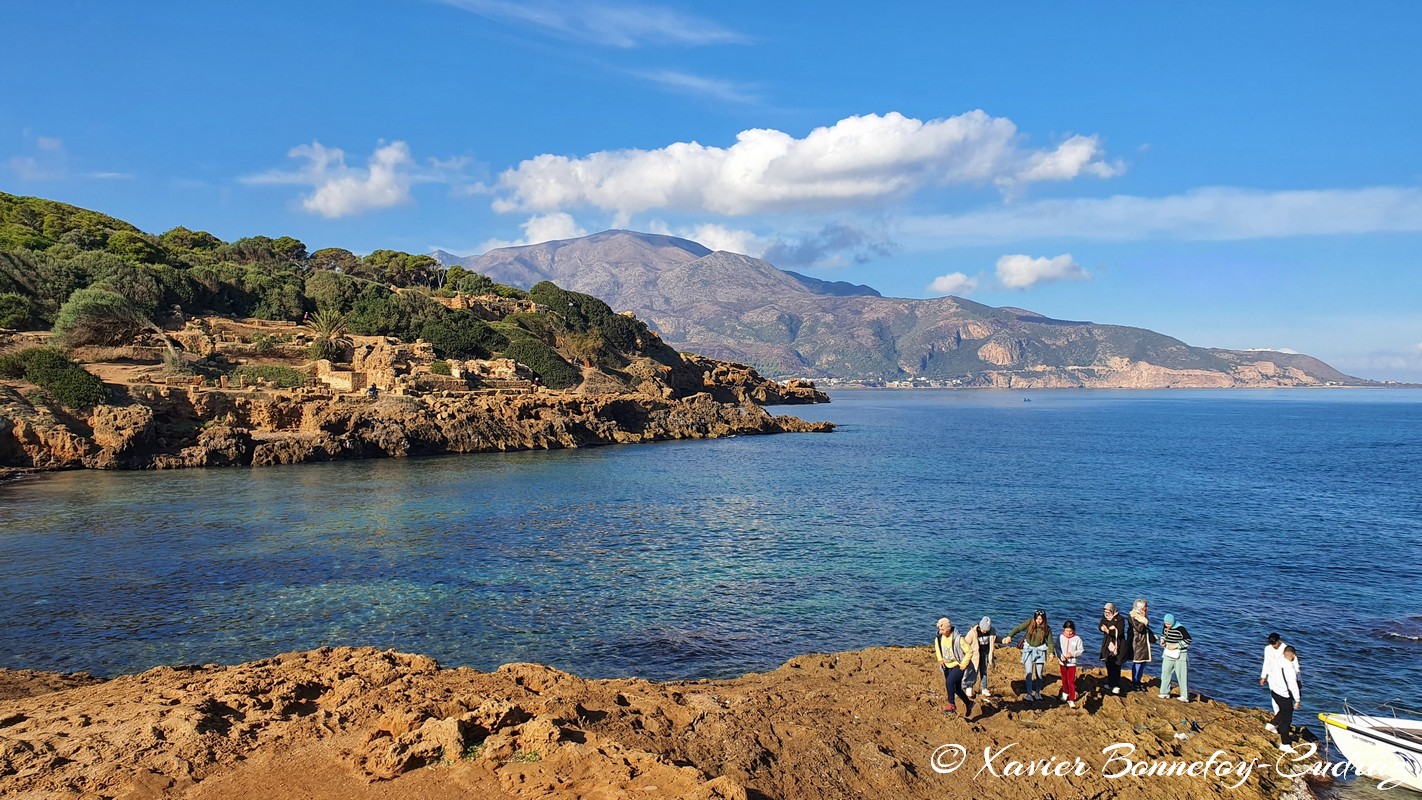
1175	658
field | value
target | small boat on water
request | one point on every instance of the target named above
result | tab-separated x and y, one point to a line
1387	749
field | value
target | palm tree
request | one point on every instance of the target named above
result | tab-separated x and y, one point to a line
328	328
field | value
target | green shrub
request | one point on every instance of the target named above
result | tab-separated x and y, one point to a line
541	324
440	368
282	377
459	334
16	311
545	363
583	312
623	334
323	348
65	382
459	279
97	316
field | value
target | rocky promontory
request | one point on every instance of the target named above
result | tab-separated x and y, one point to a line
356	723
217	391
168	427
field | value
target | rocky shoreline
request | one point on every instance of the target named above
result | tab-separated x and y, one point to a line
365	723
167	427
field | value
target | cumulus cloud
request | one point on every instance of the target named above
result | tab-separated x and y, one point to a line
340	190
384	184
836	244
622	25
858	161
1207	214
714	236
953	283
1021	272
541	228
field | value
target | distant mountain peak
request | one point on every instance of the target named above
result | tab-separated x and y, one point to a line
834	288
733	306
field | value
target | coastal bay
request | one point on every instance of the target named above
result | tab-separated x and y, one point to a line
1239	512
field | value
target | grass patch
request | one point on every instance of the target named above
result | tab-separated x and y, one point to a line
279	376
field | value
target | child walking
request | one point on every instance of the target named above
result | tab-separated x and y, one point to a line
1068	648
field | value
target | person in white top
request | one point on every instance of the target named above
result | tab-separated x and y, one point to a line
1069	647
1272	653
1283	680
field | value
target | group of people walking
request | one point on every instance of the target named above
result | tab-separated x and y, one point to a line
967	658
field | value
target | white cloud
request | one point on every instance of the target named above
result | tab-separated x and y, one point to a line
715	237
540	228
858	161
612	24
953	283
385	184
340	190
1021	272
49	161
699	85
720	237
1207	214
1079	155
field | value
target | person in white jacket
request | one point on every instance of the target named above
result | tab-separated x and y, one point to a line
1283	680
1273	652
1069	648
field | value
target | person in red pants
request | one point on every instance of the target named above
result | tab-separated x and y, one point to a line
1069	648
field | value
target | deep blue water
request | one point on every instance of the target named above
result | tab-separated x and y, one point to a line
1239	512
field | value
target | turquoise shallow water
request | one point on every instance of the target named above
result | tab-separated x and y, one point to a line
1240	512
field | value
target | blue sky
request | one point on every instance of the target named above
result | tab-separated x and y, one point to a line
1234	174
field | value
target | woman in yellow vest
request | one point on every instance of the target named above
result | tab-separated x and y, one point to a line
953	658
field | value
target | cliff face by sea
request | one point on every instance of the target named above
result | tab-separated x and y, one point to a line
168	427
365	723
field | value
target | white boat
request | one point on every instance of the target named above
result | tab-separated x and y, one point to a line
1387	749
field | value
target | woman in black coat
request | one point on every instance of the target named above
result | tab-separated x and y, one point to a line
1113	645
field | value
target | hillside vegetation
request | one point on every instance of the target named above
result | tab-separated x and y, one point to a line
94	279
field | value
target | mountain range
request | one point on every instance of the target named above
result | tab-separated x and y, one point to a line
731	306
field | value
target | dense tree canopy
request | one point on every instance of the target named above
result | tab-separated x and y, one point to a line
93	278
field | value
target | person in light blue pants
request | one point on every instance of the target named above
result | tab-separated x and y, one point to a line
1174	658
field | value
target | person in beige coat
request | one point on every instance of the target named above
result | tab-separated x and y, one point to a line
979	642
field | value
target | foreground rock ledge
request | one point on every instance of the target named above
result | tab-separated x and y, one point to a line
169	427
365	723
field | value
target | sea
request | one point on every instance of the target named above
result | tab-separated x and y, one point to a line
1239	512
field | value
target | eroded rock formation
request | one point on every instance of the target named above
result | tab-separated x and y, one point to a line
355	723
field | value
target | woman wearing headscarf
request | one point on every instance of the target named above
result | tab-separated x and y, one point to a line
1142	637
1174	658
1113	645
1037	644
